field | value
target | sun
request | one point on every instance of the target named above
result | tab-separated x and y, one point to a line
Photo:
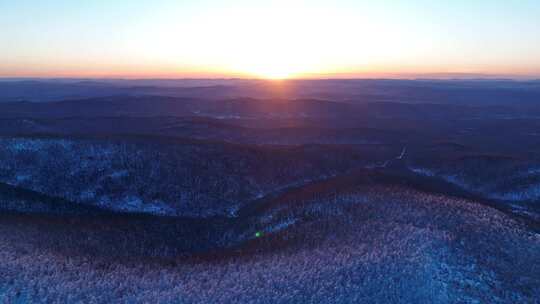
261	42
270	67
274	73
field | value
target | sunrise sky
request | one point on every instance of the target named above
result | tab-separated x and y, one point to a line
268	39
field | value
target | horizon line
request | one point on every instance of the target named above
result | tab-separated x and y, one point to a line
470	77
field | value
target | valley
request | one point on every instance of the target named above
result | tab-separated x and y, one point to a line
230	198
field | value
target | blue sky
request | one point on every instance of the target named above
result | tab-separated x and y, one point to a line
268	38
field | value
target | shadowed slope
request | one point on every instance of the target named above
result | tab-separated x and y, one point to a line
360	241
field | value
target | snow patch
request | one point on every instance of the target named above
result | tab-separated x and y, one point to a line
280	226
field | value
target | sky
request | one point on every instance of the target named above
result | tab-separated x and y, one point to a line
268	39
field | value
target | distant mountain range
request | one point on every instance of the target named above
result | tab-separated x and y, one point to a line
470	92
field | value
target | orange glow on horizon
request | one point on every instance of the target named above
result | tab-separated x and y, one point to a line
276	74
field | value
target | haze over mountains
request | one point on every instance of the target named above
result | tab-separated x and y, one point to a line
498	91
249	191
